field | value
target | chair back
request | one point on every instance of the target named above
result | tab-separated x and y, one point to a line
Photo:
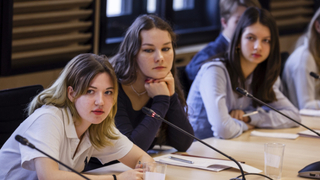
184	80
13	104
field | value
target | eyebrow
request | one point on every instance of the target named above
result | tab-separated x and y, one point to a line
256	35
147	44
97	88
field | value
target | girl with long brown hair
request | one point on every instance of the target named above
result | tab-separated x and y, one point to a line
252	63
146	73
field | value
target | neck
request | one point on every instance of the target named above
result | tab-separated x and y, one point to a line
138	85
247	67
81	127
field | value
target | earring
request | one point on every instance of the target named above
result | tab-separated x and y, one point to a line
237	49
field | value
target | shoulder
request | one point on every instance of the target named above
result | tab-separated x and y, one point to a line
300	58
49	115
122	96
214	69
49	110
217	64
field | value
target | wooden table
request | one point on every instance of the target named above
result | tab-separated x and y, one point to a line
250	149
298	153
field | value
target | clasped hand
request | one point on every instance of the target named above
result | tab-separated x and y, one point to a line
163	86
238	114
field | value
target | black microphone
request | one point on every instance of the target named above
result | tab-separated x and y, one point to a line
304	172
25	142
151	113
315	75
245	93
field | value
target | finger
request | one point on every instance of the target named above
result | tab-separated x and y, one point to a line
140	170
232	114
239	114
236	115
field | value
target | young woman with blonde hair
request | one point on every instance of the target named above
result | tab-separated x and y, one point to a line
72	121
302	89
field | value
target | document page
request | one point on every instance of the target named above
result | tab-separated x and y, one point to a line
204	163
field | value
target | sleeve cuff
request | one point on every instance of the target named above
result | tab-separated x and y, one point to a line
254	119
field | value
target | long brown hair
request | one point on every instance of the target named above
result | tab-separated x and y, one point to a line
78	74
125	61
267	72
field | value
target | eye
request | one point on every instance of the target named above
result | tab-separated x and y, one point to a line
166	49
267	40
109	92
148	50
250	38
90	91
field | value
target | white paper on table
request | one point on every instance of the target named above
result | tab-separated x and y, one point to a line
309	133
309	112
205	163
274	135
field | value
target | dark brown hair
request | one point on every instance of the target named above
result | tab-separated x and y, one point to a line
267	72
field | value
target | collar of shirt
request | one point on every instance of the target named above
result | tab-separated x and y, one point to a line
226	38
72	134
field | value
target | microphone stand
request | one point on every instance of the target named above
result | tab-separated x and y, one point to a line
316	165
25	142
245	93
151	113
315	75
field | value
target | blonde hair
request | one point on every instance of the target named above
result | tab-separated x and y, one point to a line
78	74
313	38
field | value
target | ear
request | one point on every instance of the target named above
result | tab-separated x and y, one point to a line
317	26
70	94
239	45
223	23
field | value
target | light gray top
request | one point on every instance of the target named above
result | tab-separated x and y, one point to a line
302	89
211	98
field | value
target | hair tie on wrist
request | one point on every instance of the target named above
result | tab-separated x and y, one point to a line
114	177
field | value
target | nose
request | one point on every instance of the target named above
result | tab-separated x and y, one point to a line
99	101
158	56
257	45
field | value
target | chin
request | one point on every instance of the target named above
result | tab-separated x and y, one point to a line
99	121
159	76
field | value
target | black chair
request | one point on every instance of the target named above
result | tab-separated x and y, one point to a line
184	80
13	104
284	56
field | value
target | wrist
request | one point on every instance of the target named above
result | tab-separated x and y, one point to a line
249	120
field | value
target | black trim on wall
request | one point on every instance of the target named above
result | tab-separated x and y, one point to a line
208	30
6	17
6	27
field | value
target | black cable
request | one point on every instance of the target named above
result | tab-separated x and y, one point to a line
255	174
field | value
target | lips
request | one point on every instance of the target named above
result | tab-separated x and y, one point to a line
98	112
159	67
256	55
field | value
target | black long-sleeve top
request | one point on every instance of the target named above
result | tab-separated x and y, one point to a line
142	129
